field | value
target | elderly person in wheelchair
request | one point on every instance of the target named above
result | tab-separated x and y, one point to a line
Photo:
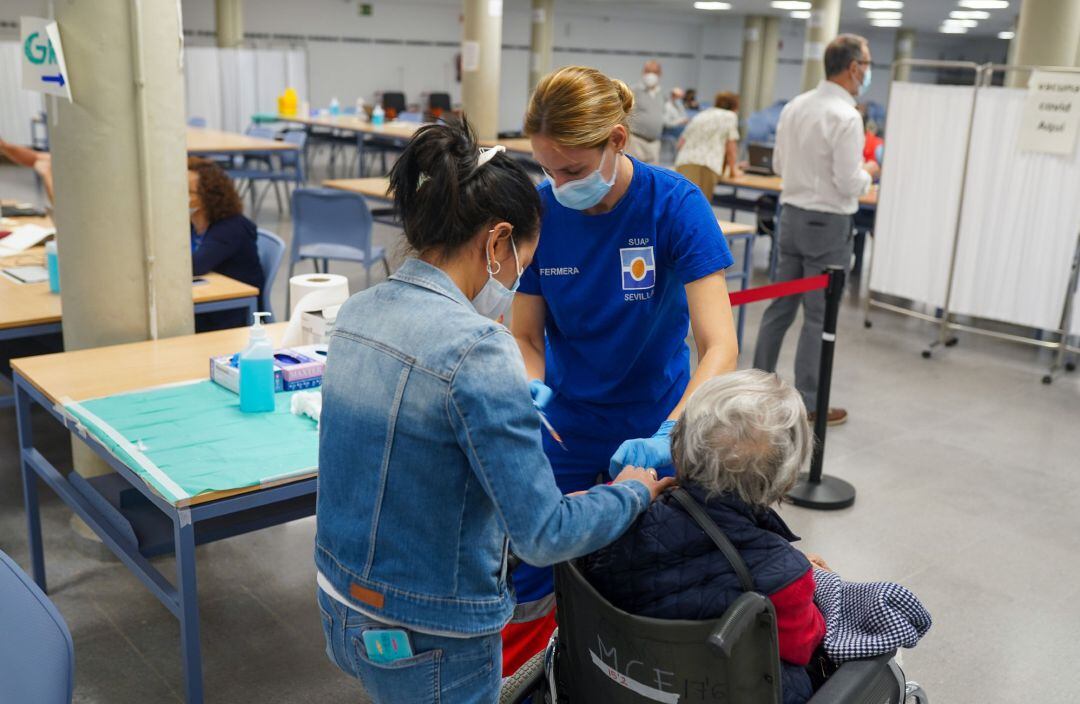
737	450
705	599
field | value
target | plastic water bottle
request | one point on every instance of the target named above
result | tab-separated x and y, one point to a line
378	115
52	262
360	108
335	106
257	371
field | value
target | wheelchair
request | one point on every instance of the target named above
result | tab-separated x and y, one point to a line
603	654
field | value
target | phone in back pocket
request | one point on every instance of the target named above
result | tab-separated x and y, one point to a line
387	645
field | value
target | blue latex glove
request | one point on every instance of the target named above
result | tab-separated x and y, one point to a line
541	393
644	452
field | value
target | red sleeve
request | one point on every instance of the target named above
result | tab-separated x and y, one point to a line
799	623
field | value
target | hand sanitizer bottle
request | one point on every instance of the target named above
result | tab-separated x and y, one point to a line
378	115
335	106
257	371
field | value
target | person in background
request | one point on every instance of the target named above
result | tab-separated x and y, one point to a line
819	154
630	258
709	146
222	239
647	122
675	111
431	466
690	100
873	141
40	162
738	449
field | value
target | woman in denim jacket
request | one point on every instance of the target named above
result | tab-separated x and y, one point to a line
431	466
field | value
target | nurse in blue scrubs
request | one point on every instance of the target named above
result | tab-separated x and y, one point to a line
630	259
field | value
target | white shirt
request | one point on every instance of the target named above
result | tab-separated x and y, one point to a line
674	114
706	138
818	151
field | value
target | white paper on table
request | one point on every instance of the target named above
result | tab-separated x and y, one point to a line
24	237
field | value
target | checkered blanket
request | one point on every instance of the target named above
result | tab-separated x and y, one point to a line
866	619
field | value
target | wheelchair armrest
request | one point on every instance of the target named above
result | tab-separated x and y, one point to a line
858	681
741	617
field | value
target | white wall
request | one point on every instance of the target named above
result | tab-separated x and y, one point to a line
410	45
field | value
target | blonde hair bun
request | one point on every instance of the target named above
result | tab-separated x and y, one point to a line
578	107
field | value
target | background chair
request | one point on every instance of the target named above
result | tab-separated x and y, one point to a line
271	252
196	122
331	224
393	104
37	656
439	104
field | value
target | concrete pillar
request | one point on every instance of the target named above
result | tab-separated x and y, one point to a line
821	28
1047	34
481	48
120	176
541	42
230	23
750	74
770	50
905	45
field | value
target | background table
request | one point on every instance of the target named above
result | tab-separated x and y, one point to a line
30	310
206	141
130	518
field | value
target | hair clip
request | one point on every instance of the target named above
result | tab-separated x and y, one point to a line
488	153
421	180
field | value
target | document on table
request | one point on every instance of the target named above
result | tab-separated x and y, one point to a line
27	274
24	237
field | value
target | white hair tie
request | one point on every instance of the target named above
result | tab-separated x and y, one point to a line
488	153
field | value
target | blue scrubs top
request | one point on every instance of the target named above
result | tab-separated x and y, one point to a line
617	321
617	316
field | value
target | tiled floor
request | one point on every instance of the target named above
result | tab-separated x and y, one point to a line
966	468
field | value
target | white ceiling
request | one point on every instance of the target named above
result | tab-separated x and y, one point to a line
920	15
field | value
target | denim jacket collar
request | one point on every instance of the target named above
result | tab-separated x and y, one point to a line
419	273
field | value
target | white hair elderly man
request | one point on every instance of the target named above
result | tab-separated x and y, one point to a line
737	449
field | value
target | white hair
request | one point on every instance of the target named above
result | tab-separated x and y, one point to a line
744	433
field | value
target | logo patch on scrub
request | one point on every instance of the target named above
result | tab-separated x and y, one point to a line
638	268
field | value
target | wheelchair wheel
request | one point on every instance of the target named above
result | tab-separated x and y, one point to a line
520	687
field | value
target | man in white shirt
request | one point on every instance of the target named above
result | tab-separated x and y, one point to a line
818	151
647	122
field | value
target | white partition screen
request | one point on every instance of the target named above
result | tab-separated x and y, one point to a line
1020	221
920	190
227	86
17	106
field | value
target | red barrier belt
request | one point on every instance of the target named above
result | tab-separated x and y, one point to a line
786	288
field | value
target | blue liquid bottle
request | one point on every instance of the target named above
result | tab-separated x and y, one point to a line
257	371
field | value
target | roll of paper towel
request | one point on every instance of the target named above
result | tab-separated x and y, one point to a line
312	292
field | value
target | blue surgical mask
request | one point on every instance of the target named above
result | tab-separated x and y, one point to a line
493	301
865	82
584	193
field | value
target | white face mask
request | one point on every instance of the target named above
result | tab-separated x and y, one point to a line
650	79
494	300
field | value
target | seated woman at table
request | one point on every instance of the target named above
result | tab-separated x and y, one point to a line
737	450
222	239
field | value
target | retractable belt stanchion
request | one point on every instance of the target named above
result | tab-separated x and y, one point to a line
814	489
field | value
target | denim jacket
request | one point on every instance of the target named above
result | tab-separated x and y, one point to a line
431	465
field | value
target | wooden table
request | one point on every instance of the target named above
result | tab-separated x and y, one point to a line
205	141
131	519
774	184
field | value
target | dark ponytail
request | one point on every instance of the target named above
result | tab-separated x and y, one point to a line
444	197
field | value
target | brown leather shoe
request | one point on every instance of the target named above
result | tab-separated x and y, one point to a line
837	416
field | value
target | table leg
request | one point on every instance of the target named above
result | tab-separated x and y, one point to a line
23	406
361	168
747	271
190	651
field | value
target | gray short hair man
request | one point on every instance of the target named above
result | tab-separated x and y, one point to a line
818	151
744	433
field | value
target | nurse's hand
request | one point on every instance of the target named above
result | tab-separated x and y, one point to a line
541	393
644	452
646	477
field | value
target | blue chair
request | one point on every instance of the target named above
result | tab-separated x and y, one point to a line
331	224
37	656
255	166
271	252
291	171
196	122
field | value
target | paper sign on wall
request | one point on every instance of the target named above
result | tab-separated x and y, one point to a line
813	50
43	67
1051	119
495	8
752	34
470	56
816	18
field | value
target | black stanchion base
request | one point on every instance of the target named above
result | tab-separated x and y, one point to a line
829	494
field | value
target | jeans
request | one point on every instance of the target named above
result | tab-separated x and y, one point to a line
809	242
442	670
